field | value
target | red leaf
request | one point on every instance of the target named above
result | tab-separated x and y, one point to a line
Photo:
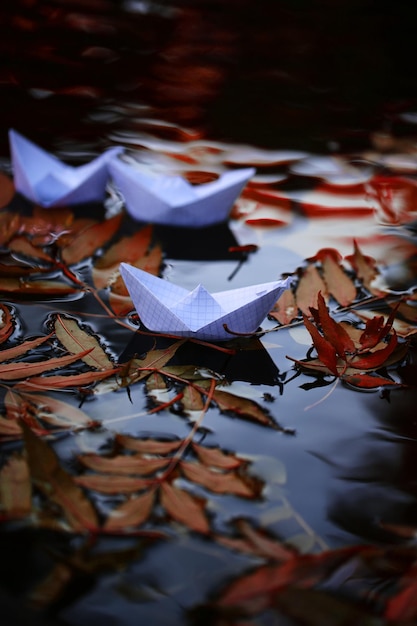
16	351
367	381
325	350
63	382
375	359
22	369
334	332
7	190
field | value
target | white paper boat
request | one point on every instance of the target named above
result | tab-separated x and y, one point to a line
167	308
172	200
45	180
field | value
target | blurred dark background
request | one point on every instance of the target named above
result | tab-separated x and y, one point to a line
310	74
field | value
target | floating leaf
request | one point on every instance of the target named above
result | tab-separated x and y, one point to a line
6	323
122	464
90	239
9	226
308	288
154	360
29	288
22	348
285	309
243	406
22	369
148	446
111	483
56	484
7	190
75	339
21	245
338	282
220	482
15	488
133	512
214	457
184	508
63	382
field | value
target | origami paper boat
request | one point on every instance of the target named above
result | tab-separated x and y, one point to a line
167	308
172	200
45	180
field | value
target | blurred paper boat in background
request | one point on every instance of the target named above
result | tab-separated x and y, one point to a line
47	181
172	200
167	308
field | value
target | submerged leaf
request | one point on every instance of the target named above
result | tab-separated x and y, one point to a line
122	464
56	484
184	508
220	482
133	512
148	446
112	484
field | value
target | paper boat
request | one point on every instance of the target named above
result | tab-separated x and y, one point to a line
172	200
44	179
167	308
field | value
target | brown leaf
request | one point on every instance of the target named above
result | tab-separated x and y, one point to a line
128	249
63	382
308	288
6	323
184	508
56	484
15	488
51	588
57	412
22	348
22	369
133	512
338	282
22	289
214	457
220	482
21	245
122	464
75	339
285	309
9	428
150	263
155	359
364	266
89	240
192	399
111	483
7	190
148	446
9	226
243	406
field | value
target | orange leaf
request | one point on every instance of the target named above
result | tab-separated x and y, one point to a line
122	464
21	245
9	428
111	483
16	351
85	243
9	225
285	309
63	382
184	508
214	457
6	323
147	446
22	369
128	249
28	288
56	484
133	512
309	286
219	482
338	282
243	406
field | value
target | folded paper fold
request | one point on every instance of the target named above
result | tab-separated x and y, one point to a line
47	181
170	309
172	200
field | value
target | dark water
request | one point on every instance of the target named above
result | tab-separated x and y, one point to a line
317	76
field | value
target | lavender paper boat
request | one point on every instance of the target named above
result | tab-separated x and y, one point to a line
167	308
172	200
47	181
